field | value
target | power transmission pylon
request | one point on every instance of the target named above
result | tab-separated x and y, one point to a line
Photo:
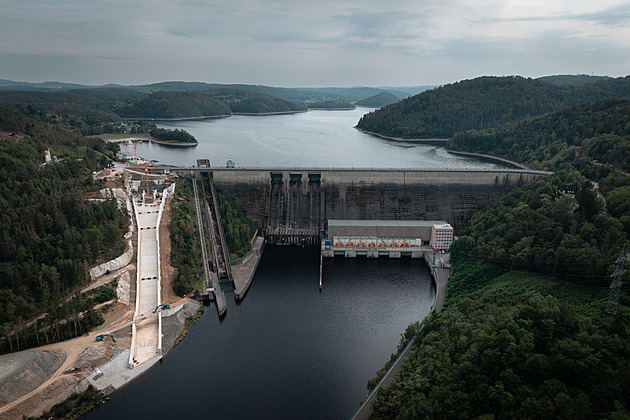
615	286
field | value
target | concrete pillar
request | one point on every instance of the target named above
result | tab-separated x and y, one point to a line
351	254
417	254
372	254
394	254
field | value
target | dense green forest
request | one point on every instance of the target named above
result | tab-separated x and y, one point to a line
177	135
524	333
331	105
249	102
185	250
482	103
96	110
51	231
377	101
238	228
571	79
600	129
173	105
514	345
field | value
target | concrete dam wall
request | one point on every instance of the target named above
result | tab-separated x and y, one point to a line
293	205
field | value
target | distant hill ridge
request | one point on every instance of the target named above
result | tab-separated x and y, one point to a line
379	100
481	103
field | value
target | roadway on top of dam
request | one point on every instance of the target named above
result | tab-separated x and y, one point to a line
348	169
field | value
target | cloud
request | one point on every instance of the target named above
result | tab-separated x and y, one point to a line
306	42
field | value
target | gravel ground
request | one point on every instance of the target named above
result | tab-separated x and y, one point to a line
22	372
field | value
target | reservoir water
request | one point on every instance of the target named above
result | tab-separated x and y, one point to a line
323	139
287	351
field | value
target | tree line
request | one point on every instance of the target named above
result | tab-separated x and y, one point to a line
50	229
178	135
483	103
238	228
185	245
524	333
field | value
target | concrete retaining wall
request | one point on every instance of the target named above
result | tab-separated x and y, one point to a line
114	264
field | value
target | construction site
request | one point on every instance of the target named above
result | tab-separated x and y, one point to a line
143	320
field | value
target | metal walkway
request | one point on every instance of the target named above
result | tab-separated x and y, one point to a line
220	253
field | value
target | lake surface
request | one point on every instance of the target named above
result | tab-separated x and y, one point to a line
286	351
323	139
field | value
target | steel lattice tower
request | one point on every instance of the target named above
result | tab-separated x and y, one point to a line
615	286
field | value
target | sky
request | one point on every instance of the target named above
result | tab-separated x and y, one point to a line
310	42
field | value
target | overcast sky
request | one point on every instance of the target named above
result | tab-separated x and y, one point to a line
310	42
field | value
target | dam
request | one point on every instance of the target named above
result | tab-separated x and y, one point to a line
291	206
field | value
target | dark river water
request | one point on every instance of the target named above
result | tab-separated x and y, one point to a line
287	351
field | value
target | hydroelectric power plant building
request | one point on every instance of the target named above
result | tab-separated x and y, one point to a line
392	238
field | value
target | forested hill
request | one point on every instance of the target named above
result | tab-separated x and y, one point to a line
482	103
600	129
214	102
50	233
248	102
529	330
111	104
173	105
377	101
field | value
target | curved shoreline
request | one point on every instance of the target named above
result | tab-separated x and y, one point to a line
440	278
203	117
442	142
152	140
489	157
435	142
174	144
332	109
254	114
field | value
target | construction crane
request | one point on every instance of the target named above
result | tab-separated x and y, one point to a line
135	151
138	165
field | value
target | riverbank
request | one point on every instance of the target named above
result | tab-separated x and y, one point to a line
440	277
270	113
174	143
442	142
433	142
245	270
333	109
489	158
116	138
32	381
203	117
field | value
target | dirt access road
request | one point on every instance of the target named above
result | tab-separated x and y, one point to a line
81	355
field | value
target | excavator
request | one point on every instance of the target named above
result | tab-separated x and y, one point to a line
102	337
163	305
